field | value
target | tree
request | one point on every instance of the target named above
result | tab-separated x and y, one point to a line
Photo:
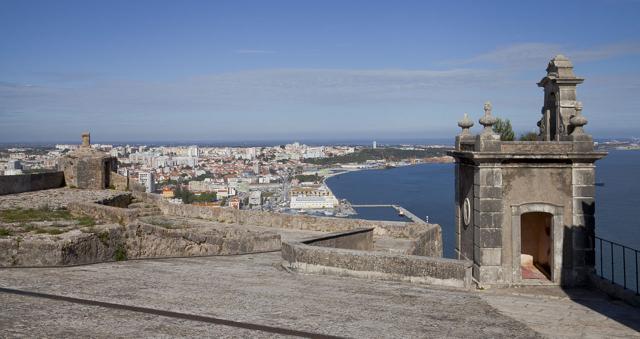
503	127
530	136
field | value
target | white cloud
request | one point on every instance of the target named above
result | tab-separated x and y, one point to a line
532	55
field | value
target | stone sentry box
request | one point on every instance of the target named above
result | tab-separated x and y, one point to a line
88	168
525	209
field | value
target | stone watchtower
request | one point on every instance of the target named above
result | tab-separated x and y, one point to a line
88	168
525	209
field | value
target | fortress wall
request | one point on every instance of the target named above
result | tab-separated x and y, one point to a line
396	229
12	184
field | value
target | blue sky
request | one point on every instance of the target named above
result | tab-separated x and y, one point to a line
253	70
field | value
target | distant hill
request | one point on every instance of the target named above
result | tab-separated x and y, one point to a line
388	154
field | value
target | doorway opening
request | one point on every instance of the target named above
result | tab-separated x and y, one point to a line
536	245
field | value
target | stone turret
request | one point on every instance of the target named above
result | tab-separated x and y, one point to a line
88	168
525	210
559	99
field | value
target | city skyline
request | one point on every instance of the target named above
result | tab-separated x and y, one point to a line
234	71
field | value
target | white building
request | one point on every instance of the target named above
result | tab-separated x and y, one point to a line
148	180
193	151
312	197
255	198
314	152
14	167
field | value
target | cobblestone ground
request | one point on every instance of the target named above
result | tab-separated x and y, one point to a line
53	198
251	289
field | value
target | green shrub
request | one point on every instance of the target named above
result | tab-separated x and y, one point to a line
503	127
104	238
530	136
5	232
120	253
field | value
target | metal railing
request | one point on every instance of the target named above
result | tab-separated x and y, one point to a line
621	264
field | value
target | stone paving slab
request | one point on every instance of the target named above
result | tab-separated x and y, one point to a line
255	289
573	313
27	317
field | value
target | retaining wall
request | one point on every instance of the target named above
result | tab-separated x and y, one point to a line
12	184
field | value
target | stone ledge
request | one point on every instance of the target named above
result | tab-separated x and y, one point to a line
614	291
304	258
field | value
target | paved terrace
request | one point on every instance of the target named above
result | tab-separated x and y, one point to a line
262	298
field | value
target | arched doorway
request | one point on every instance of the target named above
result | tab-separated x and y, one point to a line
537	240
536	245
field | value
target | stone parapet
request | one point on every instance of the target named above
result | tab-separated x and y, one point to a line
304	258
13	184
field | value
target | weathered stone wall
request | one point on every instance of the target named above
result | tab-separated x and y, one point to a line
429	242
532	147
149	241
103	212
134	241
376	265
464	191
358	239
524	184
12	184
119	182
122	201
72	248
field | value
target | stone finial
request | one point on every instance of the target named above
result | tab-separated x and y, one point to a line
487	120
578	120
465	124
560	67
86	140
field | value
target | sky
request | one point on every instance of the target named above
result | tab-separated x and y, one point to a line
294	70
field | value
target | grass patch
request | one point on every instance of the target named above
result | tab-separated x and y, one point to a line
161	222
5	232
27	227
34	214
86	221
120	253
51	231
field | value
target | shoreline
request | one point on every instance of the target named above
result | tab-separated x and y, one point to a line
340	171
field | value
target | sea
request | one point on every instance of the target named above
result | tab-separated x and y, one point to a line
427	190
